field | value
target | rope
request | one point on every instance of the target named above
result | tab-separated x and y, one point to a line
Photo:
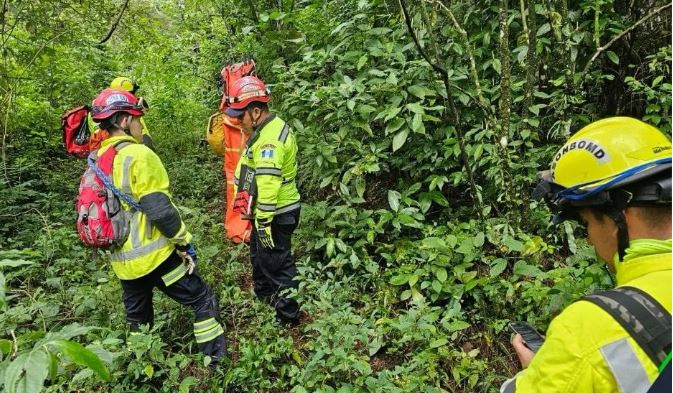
109	185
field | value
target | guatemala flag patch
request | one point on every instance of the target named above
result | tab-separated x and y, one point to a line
267	153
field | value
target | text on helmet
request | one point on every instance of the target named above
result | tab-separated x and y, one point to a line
592	147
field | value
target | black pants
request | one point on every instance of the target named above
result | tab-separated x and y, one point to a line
189	290
274	270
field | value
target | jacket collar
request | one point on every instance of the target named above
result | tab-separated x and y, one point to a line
644	260
116	139
258	129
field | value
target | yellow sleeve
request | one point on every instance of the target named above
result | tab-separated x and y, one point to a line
150	185
564	364
268	158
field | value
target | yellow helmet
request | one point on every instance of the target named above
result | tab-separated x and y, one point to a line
611	150
123	83
609	165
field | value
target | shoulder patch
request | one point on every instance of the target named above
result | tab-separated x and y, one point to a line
266	150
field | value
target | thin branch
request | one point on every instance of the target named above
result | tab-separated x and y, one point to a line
450	105
115	24
407	19
470	53
622	34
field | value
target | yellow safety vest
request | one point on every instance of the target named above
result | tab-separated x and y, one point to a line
137	171
586	350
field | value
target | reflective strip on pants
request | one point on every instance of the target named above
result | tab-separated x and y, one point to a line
174	275
207	330
625	366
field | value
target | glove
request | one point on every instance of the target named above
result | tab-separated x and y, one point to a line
242	202
188	255
264	236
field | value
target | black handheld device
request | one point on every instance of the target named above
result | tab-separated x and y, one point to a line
531	337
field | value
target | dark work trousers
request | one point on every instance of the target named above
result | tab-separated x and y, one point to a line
274	270
189	290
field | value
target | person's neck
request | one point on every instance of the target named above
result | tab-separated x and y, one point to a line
262	118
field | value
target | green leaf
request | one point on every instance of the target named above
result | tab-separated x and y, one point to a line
394	200
522	54
189	381
439	342
512	244
392	112
394	125
401	279
361	61
37	369
2	291
612	56
545	28
417	124
330	247
5	346
14	263
457	325
83	356
399	139
413	279
420	91
149	371
521	268
442	275
14	372
479	239
416	108
498	266
360	186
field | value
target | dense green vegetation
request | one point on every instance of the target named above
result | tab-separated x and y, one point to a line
418	241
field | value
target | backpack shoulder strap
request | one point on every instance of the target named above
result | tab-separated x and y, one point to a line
102	166
646	321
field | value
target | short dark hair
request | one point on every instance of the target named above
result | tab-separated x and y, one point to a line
257	104
655	216
112	122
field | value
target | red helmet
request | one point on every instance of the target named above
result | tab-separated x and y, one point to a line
244	91
111	101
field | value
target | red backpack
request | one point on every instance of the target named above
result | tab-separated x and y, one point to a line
76	131
102	222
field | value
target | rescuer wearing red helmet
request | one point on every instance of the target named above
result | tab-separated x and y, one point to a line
125	84
266	193
157	252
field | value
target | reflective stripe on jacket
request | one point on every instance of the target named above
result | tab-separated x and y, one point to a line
138	172
586	350
272	153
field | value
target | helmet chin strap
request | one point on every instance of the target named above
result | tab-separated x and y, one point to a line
617	215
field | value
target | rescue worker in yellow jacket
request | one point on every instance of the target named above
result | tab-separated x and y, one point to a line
266	192
126	84
157	252
614	177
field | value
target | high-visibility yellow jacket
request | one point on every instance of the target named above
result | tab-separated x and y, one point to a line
271	151
138	172
586	350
